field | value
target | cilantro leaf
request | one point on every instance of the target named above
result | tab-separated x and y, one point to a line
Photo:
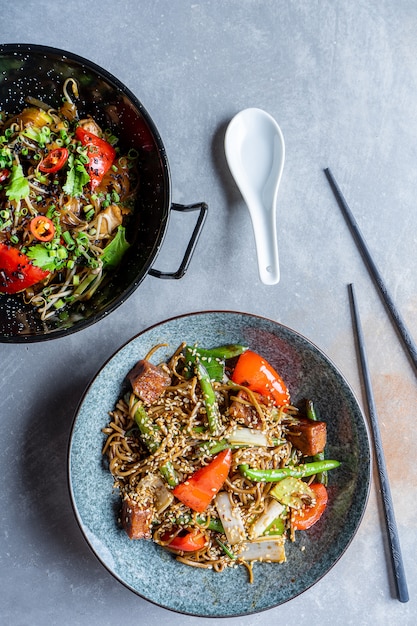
114	251
77	177
6	158
40	257
18	186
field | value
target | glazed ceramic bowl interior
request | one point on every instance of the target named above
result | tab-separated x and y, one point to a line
154	574
40	72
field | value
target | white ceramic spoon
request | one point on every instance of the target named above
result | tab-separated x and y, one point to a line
255	152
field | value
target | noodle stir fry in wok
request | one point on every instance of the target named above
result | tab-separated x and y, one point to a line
66	193
211	460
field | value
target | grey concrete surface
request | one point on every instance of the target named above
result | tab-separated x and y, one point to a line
340	77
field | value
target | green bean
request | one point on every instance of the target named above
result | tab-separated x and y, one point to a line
209	399
212	358
151	438
298	471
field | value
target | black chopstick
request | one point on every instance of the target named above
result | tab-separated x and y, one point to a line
394	542
403	331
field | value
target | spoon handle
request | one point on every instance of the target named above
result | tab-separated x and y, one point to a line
265	231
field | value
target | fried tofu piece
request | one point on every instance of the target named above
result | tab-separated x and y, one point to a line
245	413
136	519
148	381
308	436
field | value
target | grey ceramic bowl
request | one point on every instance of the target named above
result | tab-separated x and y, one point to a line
40	72
154	574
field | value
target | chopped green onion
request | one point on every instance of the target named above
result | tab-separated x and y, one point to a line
66	235
225	549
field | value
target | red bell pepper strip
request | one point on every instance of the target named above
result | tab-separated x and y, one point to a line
54	161
198	491
305	518
100	153
17	271
42	228
254	372
186	541
4	175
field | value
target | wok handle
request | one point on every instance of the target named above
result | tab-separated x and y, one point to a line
202	208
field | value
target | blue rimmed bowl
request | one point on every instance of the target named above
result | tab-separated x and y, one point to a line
153	573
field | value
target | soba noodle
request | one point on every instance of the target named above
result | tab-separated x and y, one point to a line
86	211
184	441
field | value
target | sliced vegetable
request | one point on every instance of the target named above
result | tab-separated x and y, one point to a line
151	438
35	116
303	519
4	174
299	471
276	528
209	399
162	496
230	518
198	491
42	228
17	271
54	161
272	512
149	432
185	541
265	549
100	153
254	372
212	358
249	437
293	492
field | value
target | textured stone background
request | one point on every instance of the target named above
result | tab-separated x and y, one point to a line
340	77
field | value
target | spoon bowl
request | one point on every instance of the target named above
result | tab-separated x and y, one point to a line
255	153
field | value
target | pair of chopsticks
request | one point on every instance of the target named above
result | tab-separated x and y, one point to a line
396	557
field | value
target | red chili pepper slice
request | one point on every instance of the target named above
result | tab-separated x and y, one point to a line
186	541
42	228
17	271
54	160
4	174
254	372
100	153
198	491
305	518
